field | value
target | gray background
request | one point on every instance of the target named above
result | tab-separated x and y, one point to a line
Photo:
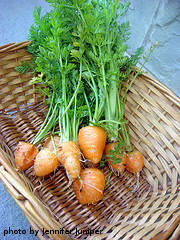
151	21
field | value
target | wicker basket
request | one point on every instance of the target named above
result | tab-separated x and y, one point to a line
151	212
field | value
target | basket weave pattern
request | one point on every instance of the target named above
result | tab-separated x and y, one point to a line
153	210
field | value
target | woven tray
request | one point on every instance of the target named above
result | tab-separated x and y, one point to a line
151	212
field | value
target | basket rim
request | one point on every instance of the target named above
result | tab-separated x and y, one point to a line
14	46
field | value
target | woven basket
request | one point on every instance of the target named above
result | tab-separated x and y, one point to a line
151	212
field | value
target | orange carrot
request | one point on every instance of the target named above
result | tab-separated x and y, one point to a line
92	141
135	161
118	161
52	142
45	163
89	186
24	155
69	155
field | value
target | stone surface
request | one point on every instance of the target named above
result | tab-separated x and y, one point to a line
16	17
165	63
140	14
157	21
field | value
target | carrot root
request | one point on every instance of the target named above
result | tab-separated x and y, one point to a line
45	163
137	182
92	141
89	186
118	167
69	156
25	155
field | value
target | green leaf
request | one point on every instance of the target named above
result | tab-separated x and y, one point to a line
24	68
75	54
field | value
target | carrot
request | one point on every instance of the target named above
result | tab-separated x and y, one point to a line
45	163
135	163
89	186
52	142
92	141
69	155
116	161
24	155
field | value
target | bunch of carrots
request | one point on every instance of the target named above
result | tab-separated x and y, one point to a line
88	183
78	53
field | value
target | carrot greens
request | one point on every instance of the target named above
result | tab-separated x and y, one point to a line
79	49
60	78
106	67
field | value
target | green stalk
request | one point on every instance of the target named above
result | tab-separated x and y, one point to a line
112	121
77	88
51	122
107	108
74	120
66	131
35	141
146	59
81	14
75	123
94	89
65	119
126	137
103	72
89	109
112	99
